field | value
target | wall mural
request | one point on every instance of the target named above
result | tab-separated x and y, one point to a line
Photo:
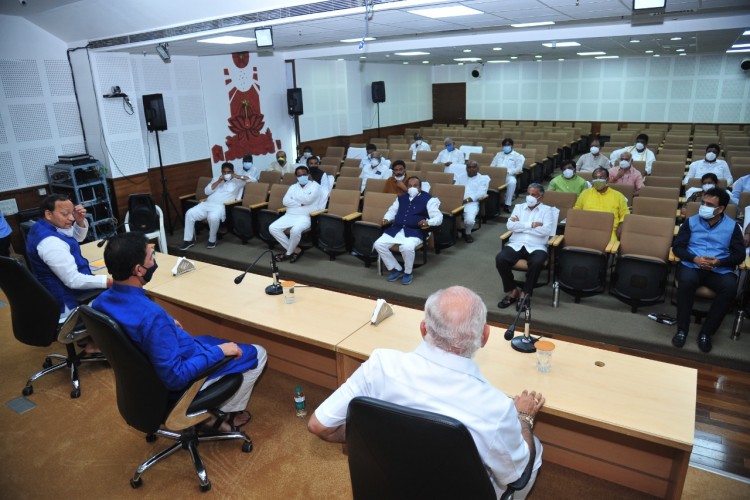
245	121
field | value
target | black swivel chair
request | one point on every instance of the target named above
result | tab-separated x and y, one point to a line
402	453
35	314
146	404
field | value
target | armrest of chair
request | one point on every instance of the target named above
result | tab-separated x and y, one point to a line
258	206
613	247
672	256
676	229
682	200
457	210
505	235
235	203
352	216
557	241
318	212
187	196
282	210
744	264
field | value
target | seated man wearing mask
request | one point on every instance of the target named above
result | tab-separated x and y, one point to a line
280	164
740	186
711	163
323	179
625	173
709	245
396	184
411	214
375	169
306	153
708	181
53	250
513	161
590	161
475	188
176	356
450	155
602	199
639	151
418	145
532	224
370	148
251	171
569	182
300	200
227	187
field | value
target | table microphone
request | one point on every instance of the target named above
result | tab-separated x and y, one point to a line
522	343
272	289
512	328
107	238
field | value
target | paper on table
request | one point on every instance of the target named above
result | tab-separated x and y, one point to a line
382	310
182	266
97	265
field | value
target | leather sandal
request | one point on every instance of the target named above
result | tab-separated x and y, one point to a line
235	414
280	257
507	301
295	256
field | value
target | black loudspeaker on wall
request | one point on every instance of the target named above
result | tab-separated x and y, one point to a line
294	101
378	92
153	107
745	64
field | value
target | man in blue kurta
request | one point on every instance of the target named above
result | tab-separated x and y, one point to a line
411	214
176	355
709	246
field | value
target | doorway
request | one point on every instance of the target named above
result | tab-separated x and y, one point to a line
449	103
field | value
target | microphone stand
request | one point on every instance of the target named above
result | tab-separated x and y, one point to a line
272	289
521	343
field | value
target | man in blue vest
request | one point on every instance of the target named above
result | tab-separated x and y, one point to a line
412	213
709	246
53	250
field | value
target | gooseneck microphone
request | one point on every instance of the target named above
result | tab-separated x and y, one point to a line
522	343
104	240
272	289
512	328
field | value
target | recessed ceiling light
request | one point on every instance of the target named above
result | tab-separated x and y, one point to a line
561	59
746	33
425	62
561	44
675	38
538	57
592	53
340	59
634	40
446	12
607	57
531	25
498	61
468	59
648	4
514	57
657	55
357	40
737	51
460	64
405	62
680	50
417	53
227	39
466	51
497	48
537	60
363	57
741	45
649	52
682	54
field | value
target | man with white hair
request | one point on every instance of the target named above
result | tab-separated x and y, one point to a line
440	376
451	155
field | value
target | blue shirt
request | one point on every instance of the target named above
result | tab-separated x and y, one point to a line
176	355
4	226
723	241
740	185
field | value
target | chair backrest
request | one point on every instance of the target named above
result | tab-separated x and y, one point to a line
200	188
588	229
269	177
399	452
427	155
428	166
497	175
399	154
349	172
34	310
142	398
655	207
336	151
626	190
376	205
562	201
331	170
450	196
439	178
331	160
288	179
744	200
343	202
377	185
668	182
692	209
649	236
276	197
483	159
255	192
659	192
348	183
352	162
694	182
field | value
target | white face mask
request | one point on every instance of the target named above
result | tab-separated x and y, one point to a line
568	173
418	142
706	187
399	177
624	164
227	177
67	232
531	201
413	192
710	156
706	212
374	162
594	150
306	154
640	146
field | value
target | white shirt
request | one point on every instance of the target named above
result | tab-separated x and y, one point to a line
701	167
56	254
326	185
513	161
435	216
523	234
379	172
646	155
252	174
434	380
300	200
226	191
455	157
414	148
367	162
474	187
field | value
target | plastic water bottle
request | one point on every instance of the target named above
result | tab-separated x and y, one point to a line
555	294
299	402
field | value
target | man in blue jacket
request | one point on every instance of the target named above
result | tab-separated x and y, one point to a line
709	246
411	214
176	355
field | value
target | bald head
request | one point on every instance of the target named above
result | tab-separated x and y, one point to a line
455	321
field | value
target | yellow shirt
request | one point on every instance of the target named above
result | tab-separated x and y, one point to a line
610	201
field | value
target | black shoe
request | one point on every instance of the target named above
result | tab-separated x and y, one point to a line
186	245
679	338
506	302
468	238
704	342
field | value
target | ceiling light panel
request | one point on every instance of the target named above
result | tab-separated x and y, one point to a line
446	12
561	44
227	40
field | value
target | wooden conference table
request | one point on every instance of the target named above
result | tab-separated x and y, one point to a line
625	419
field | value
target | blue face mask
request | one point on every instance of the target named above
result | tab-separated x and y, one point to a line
302	179
507	149
247	166
449	148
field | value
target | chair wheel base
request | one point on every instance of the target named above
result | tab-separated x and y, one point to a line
247	446
28	390
136	483
75	394
206	487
